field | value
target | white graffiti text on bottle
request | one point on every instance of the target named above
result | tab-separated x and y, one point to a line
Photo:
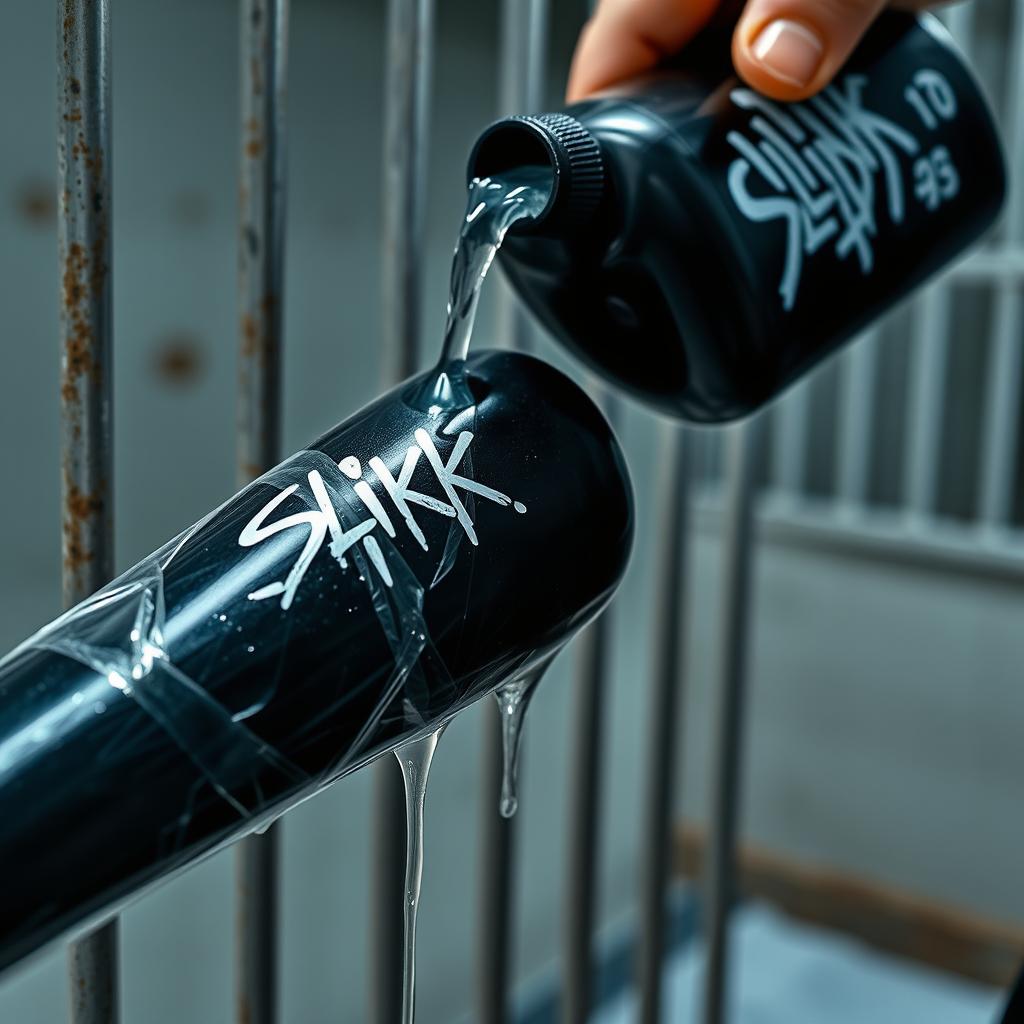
326	520
818	165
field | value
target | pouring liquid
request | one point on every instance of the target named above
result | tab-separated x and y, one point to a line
493	207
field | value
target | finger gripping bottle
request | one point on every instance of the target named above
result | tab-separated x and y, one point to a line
705	246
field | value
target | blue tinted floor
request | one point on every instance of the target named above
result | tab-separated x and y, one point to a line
788	973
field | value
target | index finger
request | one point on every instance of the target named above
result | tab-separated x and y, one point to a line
627	37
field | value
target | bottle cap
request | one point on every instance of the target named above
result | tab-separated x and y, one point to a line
559	141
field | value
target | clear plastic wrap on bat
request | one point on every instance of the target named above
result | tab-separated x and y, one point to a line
356	596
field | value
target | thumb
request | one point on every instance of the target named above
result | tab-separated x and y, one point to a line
789	49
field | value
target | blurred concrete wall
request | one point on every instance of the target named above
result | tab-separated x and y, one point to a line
887	707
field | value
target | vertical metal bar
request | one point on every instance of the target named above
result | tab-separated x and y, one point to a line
592	656
856	419
1001	412
592	652
521	86
524	33
929	352
959	20
406	103
1001	407
385	998
496	849
263	59
84	243
256	887
737	542
789	457
669	654
521	81
407	96
263	52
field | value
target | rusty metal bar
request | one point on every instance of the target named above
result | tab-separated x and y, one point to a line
86	388
520	68
263	49
406	99
744	443
666	697
263	60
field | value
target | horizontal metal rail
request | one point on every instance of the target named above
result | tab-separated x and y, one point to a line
885	535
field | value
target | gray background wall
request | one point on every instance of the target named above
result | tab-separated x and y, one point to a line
887	710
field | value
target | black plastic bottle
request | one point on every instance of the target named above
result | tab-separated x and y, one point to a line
355	597
704	246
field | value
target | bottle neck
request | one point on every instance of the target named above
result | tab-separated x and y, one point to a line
557	141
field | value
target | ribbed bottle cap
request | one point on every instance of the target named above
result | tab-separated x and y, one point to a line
555	139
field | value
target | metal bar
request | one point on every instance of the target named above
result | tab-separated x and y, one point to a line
789	455
880	535
406	103
256	885
521	88
263	53
733	640
385	999
1001	264
263	87
86	327
856	417
407	95
524	47
496	903
1001	413
1001	408
666	695
929	352
592	656
959	19
521	82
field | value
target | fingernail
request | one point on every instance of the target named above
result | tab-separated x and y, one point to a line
788	51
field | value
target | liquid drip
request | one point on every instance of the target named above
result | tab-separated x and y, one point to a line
493	207
513	699
414	759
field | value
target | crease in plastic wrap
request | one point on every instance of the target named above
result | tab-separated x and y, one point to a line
356	596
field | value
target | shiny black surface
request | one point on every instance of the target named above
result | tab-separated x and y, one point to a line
133	738
678	296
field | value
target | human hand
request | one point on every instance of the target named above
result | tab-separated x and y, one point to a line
786	49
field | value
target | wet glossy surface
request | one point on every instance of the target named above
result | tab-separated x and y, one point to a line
741	241
225	678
